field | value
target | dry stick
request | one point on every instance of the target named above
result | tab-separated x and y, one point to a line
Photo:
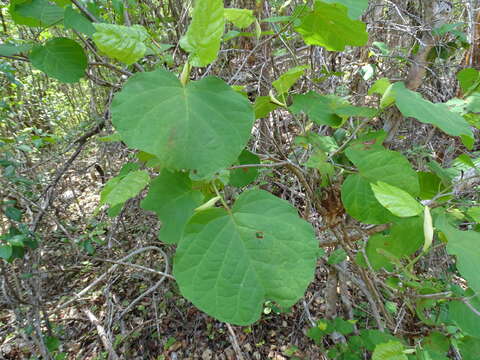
236	346
102	333
112	269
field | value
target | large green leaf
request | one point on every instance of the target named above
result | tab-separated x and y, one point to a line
75	20
17	17
329	25
360	202
404	239
376	163
204	34
61	58
172	198
465	246
464	317
469	348
241	18
355	7
124	43
327	109
203	126
411	104
121	188
392	350
398	202
42	12
244	176
229	263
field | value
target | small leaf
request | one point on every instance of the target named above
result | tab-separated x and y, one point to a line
124	43
13	213
379	87
75	20
60	58
263	106
328	25
427	229
12	49
241	18
52	343
173	199
286	80
337	257
120	189
204	34
398	202
469	79
229	263
5	251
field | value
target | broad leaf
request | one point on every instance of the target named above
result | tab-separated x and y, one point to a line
78	22
398	202
469	348
287	79
203	126
329	25
327	109
244	176
6	251
465	246
61	58
404	239
17	17
229	263
204	34
241	18
469	79
11	49
411	104
355	7
43	12
376	163
124	43
119	189
392	350
464	317
263	106
360	202
173	199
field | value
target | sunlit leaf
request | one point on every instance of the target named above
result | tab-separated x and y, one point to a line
397	201
241	18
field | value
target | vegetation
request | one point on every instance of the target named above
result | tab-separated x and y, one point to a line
240	179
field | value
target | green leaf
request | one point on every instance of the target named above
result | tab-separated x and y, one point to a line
398	202
120	189
263	106
411	104
173	199
124	43
17	17
465	246
464	317
405	238
328	25
360	202
436	343
11	49
229	263
43	12
337	257
241	18
380	86
60	58
13	213
469	79
203	126
430	185
327	109
375	163
244	176
78	22
204	34
392	350
355	7
287	79
469	348
52	343
5	251
474	213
